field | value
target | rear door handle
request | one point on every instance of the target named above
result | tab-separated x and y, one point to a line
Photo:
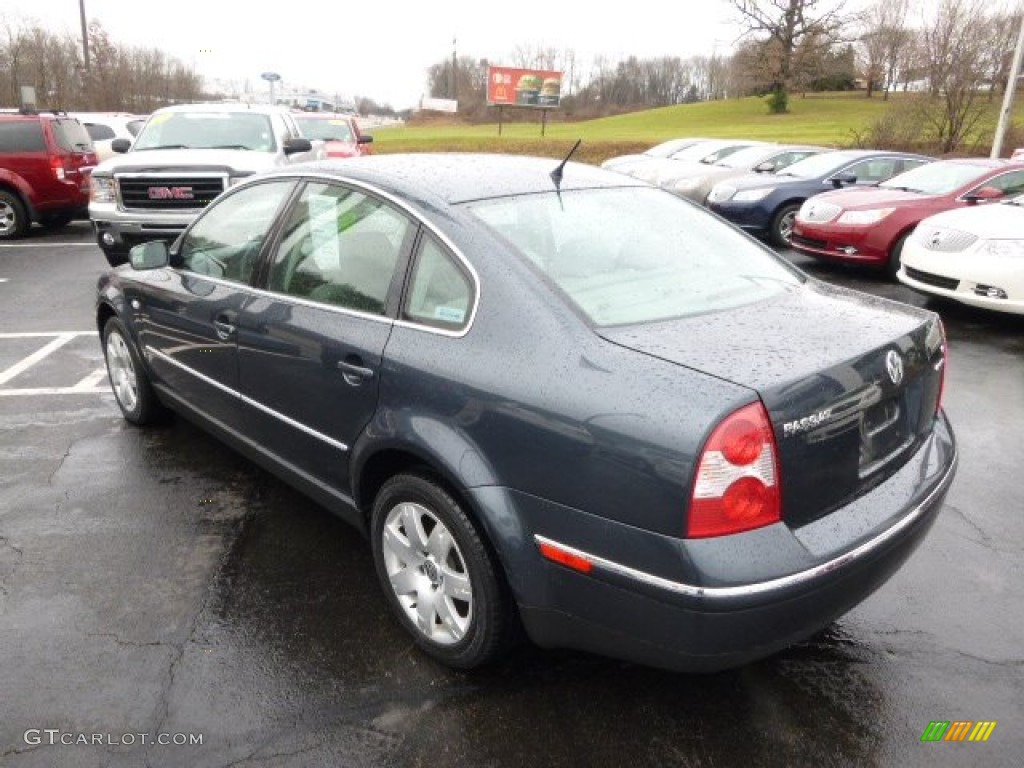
354	373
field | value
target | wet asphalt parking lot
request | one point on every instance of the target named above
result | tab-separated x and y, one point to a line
154	586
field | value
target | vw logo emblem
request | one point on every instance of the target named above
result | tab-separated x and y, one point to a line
894	366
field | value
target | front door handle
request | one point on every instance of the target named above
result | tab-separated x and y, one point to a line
353	372
224	324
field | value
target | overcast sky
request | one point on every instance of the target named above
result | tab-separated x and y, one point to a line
382	50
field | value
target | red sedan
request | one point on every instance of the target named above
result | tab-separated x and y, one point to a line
340	133
869	226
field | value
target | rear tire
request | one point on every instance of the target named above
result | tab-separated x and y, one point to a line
895	257
440	578
14	221
128	379
782	225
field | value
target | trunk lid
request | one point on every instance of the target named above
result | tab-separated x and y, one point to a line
850	382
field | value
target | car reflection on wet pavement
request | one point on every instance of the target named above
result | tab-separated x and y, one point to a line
157	582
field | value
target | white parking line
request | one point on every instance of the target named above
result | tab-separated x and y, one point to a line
89	384
46	245
23	365
45	334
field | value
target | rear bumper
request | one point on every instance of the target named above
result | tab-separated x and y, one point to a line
705	605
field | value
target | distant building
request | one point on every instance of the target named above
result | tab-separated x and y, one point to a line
298	96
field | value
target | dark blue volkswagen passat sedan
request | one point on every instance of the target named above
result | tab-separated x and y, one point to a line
577	403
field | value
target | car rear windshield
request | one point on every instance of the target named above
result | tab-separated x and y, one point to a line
72	136
327	130
21	136
939	178
207	130
626	256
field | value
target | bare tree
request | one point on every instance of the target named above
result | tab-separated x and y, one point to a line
784	25
883	35
954	44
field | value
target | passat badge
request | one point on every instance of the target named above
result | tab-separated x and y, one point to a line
894	366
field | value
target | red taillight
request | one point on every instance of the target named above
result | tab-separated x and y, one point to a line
737	483
563	557
57	166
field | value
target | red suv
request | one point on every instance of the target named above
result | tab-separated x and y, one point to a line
45	162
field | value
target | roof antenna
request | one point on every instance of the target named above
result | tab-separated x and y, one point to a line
556	175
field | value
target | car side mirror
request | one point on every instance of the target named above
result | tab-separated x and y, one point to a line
843	178
291	146
120	145
766	167
151	255
983	194
365	139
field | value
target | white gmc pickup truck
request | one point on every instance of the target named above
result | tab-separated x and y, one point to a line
182	159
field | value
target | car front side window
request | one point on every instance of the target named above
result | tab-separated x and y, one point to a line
340	247
225	242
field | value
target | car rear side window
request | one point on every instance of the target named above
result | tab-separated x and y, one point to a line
341	247
99	132
440	292
72	136
226	242
635	255
22	136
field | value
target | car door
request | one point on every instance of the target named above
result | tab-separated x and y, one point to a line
188	317
311	345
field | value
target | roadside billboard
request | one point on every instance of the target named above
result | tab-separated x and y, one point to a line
511	87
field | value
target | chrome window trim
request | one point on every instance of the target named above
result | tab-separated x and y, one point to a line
772	585
247	400
416	217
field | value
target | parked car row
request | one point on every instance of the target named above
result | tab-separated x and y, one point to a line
47	158
861	207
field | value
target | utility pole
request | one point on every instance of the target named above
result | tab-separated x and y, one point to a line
455	70
1011	89
85	34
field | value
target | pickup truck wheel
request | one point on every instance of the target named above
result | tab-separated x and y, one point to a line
132	390
440	579
14	221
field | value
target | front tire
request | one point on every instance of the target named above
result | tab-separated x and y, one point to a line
132	388
782	225
440	579
896	258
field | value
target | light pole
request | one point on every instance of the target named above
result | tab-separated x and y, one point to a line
1006	112
85	34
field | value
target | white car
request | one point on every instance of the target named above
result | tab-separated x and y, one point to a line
973	255
658	152
104	127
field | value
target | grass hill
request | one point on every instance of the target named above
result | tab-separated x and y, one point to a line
824	119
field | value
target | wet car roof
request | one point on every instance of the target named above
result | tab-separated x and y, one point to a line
457	178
